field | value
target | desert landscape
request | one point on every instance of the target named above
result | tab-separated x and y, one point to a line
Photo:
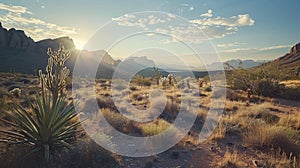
237	113
258	128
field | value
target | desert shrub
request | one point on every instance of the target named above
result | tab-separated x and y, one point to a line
268	87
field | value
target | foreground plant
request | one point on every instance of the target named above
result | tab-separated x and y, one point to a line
50	123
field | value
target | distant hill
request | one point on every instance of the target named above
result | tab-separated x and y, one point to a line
244	63
288	64
235	63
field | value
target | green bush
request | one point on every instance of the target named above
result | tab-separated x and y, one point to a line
259	82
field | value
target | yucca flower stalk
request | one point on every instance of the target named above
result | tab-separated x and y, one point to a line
50	122
56	72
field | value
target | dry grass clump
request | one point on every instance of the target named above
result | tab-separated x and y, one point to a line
119	122
220	131
154	128
291	121
260	135
282	160
232	159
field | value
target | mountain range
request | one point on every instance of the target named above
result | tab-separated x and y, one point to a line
20	53
235	63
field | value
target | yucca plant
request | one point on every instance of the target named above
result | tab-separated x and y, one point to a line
49	123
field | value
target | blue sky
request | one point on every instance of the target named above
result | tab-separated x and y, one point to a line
249	29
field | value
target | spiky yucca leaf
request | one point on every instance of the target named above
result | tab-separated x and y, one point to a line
45	125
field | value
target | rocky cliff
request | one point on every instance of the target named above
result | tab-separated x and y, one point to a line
13	38
295	49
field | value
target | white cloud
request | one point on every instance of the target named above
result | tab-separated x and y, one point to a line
229	45
233	21
14	9
133	21
195	31
275	47
34	27
208	14
236	50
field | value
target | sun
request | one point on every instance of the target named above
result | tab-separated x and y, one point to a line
79	44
